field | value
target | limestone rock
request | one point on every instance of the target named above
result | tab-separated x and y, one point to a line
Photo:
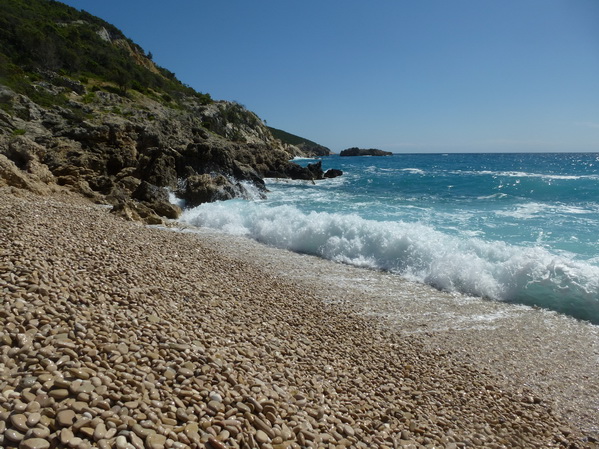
13	176
150	193
206	188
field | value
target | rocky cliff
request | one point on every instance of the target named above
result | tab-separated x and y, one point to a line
127	135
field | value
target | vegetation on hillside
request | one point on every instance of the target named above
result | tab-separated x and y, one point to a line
289	138
300	142
40	39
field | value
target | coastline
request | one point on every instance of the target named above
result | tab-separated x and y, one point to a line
182	339
553	356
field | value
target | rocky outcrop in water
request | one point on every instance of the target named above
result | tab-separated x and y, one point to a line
333	173
362	152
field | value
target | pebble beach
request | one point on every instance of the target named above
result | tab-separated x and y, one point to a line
118	335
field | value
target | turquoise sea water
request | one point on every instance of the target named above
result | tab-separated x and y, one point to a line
520	228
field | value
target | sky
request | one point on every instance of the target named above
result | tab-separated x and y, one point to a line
403	76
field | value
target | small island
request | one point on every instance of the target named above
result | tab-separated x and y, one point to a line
355	151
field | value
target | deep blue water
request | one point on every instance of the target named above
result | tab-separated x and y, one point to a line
510	227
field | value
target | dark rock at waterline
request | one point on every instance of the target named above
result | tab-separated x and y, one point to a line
150	193
309	173
165	209
364	152
157	199
333	173
206	188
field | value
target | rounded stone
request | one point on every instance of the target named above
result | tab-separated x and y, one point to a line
261	437
59	393
19	422
100	432
185	372
33	419
38	432
66	435
13	435
155	441
121	442
65	418
34	443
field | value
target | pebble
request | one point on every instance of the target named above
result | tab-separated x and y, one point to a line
59	393
262	437
13	435
33	419
19	422
38	432
65	418
66	435
155	441
121	442
34	443
100	432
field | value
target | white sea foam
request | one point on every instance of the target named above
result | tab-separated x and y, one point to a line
173	199
418	252
524	211
415	171
521	174
533	209
493	196
298	158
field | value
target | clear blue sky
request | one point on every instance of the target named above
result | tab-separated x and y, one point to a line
403	76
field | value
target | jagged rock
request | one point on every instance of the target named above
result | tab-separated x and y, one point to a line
157	199
206	188
129	183
333	173
135	211
150	193
159	167
165	209
310	173
101	184
26	155
14	176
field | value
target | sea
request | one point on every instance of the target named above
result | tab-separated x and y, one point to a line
519	228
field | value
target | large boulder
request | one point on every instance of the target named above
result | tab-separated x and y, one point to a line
165	209
157	199
333	173
150	193
308	173
135	211
14	176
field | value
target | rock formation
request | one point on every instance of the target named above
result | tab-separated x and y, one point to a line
354	151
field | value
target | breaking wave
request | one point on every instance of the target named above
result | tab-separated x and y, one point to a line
529	275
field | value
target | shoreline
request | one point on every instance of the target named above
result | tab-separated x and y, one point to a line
176	339
553	356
